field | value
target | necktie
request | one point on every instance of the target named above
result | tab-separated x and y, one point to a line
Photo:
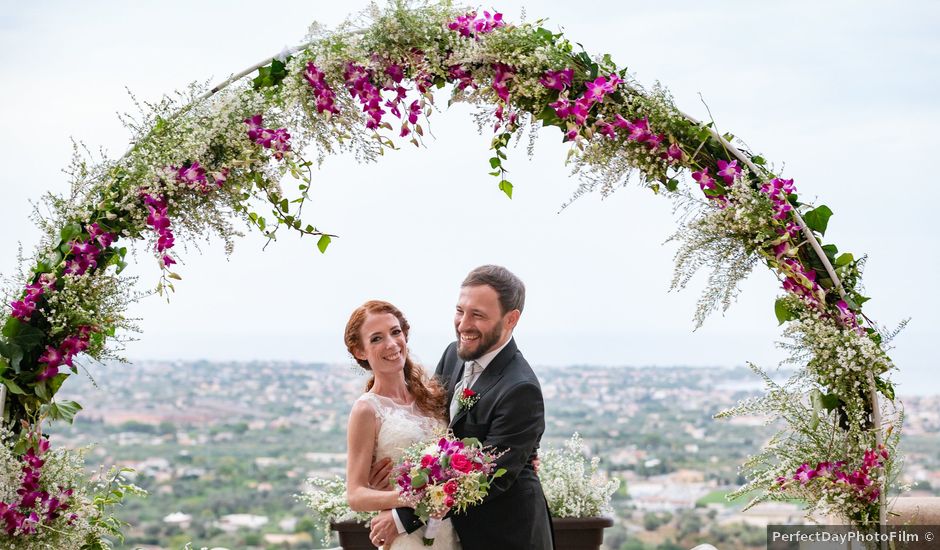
470	371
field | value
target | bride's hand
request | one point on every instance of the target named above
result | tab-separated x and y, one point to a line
379	475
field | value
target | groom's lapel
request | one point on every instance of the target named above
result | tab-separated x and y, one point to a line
491	375
454	378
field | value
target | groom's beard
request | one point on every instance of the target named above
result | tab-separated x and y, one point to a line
484	343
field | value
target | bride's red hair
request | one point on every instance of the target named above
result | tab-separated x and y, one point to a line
428	393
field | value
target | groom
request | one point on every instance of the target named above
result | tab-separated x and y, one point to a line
506	411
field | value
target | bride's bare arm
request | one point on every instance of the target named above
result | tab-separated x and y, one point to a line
360	446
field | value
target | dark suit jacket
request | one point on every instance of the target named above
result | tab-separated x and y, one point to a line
509	415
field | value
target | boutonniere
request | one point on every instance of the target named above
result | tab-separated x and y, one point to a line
467	399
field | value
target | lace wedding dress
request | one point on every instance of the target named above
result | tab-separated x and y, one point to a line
400	426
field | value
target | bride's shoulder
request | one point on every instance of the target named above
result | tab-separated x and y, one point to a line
367	404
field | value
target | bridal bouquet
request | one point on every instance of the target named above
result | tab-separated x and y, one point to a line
448	474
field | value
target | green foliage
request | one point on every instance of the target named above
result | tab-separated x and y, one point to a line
60	410
270	75
782	311
818	219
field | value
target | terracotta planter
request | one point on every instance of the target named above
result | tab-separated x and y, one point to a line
570	534
580	533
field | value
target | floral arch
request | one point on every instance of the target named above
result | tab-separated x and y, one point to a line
220	155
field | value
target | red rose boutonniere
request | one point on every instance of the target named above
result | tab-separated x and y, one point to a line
467	399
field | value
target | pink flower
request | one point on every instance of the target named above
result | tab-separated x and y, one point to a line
462	76
580	110
395	71
102	237
804	474
704	180
192	175
655	140
605	128
639	130
23	309
450	488
52	357
254	127
562	107
502	75
673	153
557	80
414	111
74	345
468	25
461	463
597	90
728	171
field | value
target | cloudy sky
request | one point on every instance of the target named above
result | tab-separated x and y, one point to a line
842	96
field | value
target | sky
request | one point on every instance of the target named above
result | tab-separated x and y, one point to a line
841	96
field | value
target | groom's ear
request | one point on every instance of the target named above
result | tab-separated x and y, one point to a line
512	318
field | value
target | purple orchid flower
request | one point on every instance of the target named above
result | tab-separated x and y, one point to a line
673	153
562	108
414	111
704	180
22	309
192	175
557	80
804	474
728	170
580	110
462	76
396	72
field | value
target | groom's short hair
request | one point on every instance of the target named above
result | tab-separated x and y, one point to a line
508	287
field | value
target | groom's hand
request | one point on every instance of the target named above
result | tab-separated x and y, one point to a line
384	530
379	474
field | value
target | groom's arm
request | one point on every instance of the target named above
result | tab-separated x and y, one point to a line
406	520
515	429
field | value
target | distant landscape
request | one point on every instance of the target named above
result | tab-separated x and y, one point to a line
223	448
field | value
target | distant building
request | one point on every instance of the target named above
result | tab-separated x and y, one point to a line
234	522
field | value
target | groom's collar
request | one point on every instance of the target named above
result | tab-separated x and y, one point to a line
488	357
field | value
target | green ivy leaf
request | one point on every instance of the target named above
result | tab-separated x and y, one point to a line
63	410
758	160
41	391
845	259
28	337
323	243
70	231
419	480
506	187
13	353
11	385
831	401
495	162
269	76
782	311
56	382
818	219
886	388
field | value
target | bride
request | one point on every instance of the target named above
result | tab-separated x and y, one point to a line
399	407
